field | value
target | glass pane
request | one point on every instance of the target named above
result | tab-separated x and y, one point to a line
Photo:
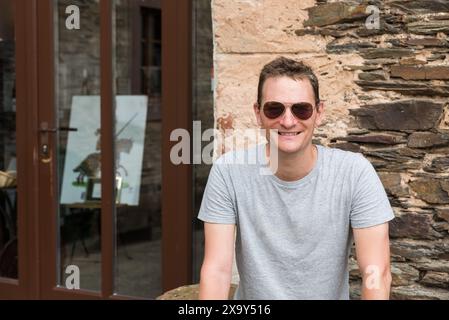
8	194
203	111
77	61
138	148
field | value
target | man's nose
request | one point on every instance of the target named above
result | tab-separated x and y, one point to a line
288	120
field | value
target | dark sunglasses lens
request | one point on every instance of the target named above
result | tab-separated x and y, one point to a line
273	110
302	111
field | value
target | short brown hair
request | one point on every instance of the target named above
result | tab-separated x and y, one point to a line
290	68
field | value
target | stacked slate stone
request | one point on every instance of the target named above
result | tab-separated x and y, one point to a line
407	137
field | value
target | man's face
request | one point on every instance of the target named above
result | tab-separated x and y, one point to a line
289	91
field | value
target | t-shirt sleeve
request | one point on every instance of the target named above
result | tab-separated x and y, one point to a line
217	205
369	204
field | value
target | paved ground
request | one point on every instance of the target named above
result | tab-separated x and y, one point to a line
138	270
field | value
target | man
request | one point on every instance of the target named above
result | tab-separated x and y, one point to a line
295	227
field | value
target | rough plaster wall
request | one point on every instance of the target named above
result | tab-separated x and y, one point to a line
249	34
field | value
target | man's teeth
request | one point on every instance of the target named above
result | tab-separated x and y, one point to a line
288	133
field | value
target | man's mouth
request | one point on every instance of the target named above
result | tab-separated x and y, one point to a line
288	133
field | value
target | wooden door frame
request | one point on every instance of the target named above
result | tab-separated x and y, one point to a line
37	223
177	203
26	287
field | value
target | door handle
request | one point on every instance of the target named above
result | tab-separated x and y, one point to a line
44	130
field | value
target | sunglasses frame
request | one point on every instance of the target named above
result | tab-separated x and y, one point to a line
285	106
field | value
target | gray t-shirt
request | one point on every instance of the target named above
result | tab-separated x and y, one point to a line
294	238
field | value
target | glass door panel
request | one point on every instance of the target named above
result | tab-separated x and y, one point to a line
138	139
203	111
77	101
8	171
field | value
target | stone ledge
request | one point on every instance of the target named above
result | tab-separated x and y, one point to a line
332	13
189	292
419	73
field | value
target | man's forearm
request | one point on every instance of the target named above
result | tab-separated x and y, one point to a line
214	285
379	289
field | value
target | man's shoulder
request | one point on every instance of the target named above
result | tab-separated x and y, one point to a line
354	161
336	152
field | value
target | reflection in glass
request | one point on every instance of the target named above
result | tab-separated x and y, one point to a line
202	111
8	173
138	148
77	65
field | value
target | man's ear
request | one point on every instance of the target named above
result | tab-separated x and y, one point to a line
320	114
257	113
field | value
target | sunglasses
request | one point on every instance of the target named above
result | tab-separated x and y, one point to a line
301	110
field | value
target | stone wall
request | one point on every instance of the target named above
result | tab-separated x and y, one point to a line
386	96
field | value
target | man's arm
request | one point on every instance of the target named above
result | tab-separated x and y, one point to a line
216	271
373	256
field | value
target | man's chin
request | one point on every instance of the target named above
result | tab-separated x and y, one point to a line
289	150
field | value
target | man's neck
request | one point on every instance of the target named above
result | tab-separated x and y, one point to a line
292	167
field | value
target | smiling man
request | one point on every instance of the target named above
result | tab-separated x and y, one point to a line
294	227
